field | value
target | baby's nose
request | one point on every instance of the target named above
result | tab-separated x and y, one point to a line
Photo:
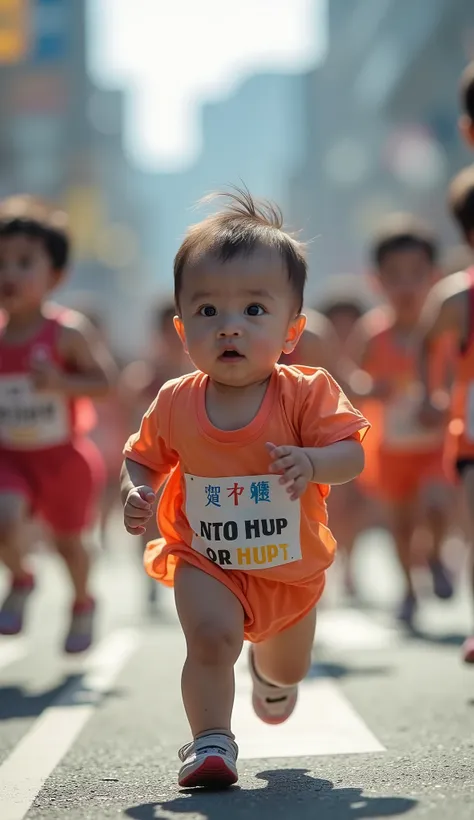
230	326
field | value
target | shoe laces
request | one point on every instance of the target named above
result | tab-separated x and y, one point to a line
217	743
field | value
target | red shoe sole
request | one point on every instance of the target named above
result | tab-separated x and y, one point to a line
212	774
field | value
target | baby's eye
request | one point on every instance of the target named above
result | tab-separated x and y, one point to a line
208	310
254	310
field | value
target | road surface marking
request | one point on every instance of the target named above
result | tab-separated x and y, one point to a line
24	773
323	723
11	650
348	629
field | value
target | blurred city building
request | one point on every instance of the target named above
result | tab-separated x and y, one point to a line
254	136
372	128
381	117
61	137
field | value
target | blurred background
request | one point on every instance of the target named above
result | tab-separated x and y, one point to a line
127	112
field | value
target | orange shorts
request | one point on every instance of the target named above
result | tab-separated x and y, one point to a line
403	475
458	450
269	606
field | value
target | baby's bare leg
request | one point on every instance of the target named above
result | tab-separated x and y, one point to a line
212	619
285	659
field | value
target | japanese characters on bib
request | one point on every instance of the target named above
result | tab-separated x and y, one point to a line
243	522
29	418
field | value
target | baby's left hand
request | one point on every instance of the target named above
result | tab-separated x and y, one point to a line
294	466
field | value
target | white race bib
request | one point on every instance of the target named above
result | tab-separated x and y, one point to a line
243	522
30	419
402	427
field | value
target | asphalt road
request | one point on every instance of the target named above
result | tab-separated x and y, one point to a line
384	726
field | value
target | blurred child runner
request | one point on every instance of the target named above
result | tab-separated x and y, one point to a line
165	359
322	345
317	346
410	475
450	309
109	424
250	447
141	382
49	359
348	506
466	94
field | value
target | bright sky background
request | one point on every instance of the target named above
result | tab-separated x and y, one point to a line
176	54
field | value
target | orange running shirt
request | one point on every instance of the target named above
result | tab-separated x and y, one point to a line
460	440
389	362
221	509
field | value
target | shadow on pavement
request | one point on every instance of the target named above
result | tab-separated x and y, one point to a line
449	639
16	702
323	669
291	794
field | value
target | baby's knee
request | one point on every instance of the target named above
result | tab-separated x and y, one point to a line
214	643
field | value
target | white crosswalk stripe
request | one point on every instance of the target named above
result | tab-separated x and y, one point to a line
25	771
323	723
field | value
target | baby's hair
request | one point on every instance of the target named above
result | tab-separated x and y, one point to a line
467	91
461	200
403	232
239	228
25	215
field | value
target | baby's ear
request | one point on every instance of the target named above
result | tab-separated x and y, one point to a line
179	327
293	335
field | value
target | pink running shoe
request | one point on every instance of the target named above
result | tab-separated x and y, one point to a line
272	704
81	628
209	761
468	650
12	611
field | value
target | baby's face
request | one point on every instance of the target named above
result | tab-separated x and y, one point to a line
238	316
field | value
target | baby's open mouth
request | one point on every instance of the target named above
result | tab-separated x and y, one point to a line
231	354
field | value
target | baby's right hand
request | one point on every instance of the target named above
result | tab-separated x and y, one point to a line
138	509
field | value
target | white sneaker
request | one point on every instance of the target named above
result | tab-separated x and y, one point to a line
209	761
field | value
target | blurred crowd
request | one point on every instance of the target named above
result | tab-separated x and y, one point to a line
399	340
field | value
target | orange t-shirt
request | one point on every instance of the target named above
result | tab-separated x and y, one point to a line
221	509
397	419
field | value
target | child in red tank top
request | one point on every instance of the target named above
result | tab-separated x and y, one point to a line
49	361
